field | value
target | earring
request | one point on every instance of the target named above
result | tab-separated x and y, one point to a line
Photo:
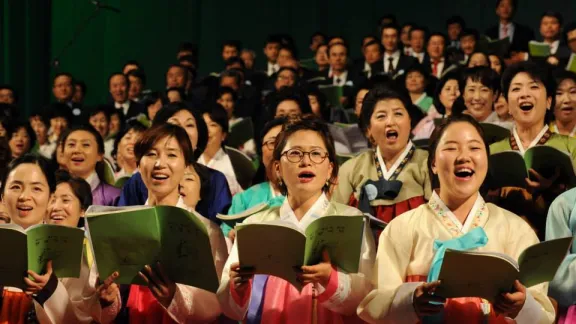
280	183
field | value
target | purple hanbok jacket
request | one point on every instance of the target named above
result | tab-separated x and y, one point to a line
105	195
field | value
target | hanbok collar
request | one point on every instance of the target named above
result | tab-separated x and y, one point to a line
180	203
273	193
541	138
554	129
317	210
93	180
386	174
477	216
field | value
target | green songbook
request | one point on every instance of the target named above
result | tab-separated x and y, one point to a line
240	133
127	239
32	248
276	248
499	47
572	63
539	49
510	168
494	133
333	94
486	275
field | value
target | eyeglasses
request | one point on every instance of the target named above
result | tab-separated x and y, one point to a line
296	155
270	143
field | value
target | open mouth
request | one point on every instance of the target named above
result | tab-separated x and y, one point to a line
306	176
77	159
464	173
57	217
526	106
24	210
567	109
159	176
392	135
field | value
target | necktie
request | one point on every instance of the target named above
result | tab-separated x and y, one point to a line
435	67
390	65
337	81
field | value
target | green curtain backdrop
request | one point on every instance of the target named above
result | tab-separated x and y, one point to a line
33	32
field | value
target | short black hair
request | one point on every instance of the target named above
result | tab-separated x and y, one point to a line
338	44
456	20
218	114
390	26
553	14
570	27
151	98
419	28
292	94
233	43
439	35
9	87
377	94
66	74
538	72
17	125
60	110
561	75
120	74
139	74
374	42
234	60
317	33
290	49
188	47
87	128
483	74
82	86
452	75
322	101
232	73
470	32
79	186
514	5
169	110
31	158
157	132
481	53
390	17
226	90
273	39
131	125
104	109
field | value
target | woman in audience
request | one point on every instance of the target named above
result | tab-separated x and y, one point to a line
478	59
447	91
214	156
4	121
268	190
116	124
228	98
290	102
163	154
318	104
561	222
362	92
60	120
480	87
416	83
406	277
194	185
26	191
20	138
134	191
321	57
83	148
153	103
123	152
42	146
100	120
565	109
303	146
390	179
529	90
497	63
501	109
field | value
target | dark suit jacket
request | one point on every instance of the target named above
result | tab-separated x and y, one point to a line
135	109
405	62
522	35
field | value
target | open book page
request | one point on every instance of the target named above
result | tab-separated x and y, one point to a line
341	236
539	49
125	242
96	210
507	169
469	274
572	63
540	262
61	244
240	216
13	256
186	252
272	248
546	159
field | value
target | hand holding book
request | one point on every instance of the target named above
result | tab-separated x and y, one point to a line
510	304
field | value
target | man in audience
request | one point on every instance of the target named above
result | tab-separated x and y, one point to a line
185	49
80	90
570	36
248	57
271	50
405	38
338	73
8	95
285	54
131	65
454	26
372	55
551	32
137	80
417	41
316	40
519	35
394	61
176	76
437	62
230	49
63	88
119	85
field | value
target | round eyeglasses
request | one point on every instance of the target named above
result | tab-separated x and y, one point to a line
296	155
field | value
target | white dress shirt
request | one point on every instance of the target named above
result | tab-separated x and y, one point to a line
439	68
341	79
554	47
272	68
124	106
395	59
221	162
419	56
509	31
